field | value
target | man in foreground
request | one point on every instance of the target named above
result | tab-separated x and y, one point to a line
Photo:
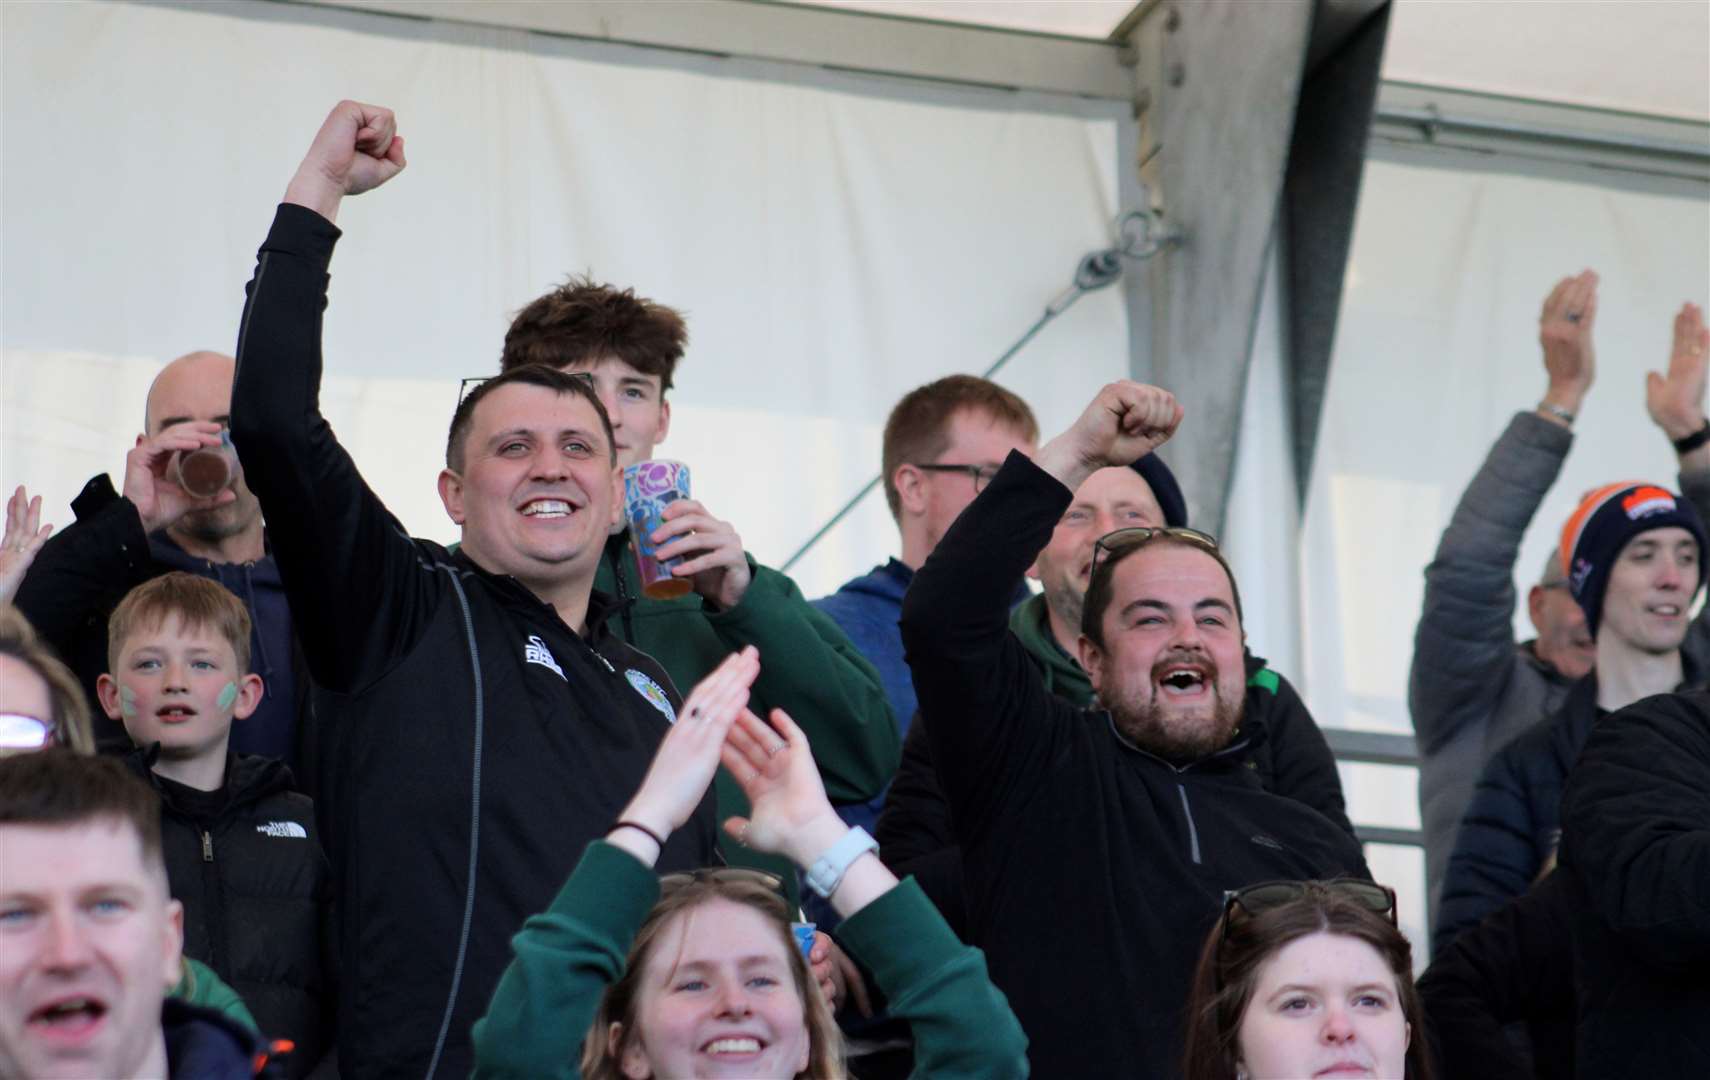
90	937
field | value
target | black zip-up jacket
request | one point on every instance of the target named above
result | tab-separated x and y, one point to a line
84	570
1093	869
1290	758
1636	852
1503	984
247	865
474	743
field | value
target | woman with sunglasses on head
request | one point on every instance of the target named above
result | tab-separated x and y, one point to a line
629	975
1306	979
41	703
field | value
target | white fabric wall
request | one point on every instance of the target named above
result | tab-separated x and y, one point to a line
833	245
1436	349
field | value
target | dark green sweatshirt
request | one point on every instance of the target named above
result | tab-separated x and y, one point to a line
808	668
566	957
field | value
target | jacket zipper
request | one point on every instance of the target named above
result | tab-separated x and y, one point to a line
207	846
1192	829
624	605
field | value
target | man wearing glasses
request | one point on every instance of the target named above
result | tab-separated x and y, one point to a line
943	442
482	720
1096	848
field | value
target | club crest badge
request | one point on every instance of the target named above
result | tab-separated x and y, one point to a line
653	692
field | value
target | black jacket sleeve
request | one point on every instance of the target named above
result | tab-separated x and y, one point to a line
915	834
1515	966
1302	766
1636	828
354	578
988	714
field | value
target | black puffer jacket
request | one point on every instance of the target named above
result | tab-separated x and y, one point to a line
257	894
1636	850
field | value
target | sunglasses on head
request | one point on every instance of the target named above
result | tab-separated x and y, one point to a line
723	875
464	386
21	732
1255	900
1112	543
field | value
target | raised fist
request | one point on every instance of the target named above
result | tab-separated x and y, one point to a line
357	148
1125	422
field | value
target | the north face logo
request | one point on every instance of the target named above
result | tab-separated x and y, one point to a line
536	652
288	829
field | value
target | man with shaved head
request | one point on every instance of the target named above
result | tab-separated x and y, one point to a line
123	538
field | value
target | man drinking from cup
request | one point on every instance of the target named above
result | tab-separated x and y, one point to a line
176	512
629	346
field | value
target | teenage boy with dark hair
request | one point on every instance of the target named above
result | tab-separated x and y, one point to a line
629	347
1634	562
242	851
483	720
1097	845
90	936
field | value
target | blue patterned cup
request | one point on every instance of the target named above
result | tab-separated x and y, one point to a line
648	488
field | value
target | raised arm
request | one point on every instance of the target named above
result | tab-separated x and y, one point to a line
962	1025
357	585
986	707
1463	649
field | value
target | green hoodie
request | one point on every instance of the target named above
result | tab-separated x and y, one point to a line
808	668
200	986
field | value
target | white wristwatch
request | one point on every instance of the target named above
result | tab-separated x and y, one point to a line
827	871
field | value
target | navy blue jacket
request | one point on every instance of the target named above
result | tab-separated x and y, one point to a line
1514	822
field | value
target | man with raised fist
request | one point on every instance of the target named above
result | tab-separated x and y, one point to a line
481	723
1097	848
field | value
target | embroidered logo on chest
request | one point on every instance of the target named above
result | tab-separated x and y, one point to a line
536	652
288	829
653	692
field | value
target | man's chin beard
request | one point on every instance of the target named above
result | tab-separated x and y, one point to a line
1180	739
212	526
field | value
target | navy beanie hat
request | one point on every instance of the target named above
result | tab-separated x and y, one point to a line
1601	526
1164	488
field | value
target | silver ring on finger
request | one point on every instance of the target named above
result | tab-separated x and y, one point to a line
1573	316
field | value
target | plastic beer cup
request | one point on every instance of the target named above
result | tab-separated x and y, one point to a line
648	488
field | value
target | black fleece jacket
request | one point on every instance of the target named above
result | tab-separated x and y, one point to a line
1093	869
246	863
474	743
1636	854
1292	759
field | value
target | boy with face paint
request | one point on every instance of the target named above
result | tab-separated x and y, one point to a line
242	854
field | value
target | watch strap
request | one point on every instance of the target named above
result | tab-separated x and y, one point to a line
827	871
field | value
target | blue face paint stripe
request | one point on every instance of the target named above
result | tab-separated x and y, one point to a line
127	701
228	695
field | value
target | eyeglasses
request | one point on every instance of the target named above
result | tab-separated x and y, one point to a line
1137	536
723	875
464	386
982	474
21	732
1269	895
